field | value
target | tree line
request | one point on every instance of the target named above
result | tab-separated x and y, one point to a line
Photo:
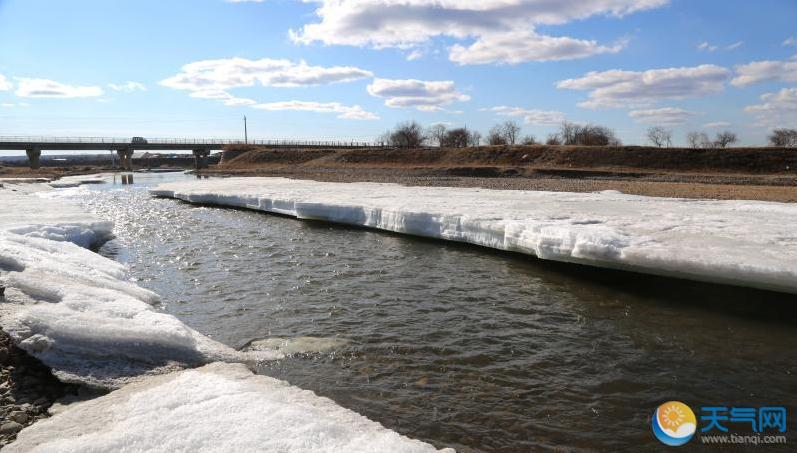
411	134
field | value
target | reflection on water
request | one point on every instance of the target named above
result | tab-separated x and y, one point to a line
456	345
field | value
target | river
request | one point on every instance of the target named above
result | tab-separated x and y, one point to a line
452	344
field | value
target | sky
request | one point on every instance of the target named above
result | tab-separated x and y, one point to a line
351	69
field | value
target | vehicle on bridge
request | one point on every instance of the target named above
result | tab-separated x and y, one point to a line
138	141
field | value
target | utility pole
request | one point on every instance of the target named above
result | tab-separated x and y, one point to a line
246	134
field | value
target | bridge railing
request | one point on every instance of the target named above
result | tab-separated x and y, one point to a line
192	141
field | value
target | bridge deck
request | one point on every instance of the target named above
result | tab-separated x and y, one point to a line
167	144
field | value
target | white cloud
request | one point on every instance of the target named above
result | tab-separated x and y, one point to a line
618	89
43	88
7	104
735	45
529	116
777	109
222	95
5	84
127	86
766	70
419	94
667	116
717	125
408	23
211	79
244	1
790	42
522	46
706	47
224	74
415	54
344	112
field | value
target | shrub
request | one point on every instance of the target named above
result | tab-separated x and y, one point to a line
724	139
456	138
586	135
785	138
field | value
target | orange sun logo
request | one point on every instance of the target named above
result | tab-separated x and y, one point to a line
674	423
673	416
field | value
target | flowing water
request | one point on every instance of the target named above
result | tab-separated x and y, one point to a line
456	345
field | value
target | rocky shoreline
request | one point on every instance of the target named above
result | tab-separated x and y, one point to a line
27	389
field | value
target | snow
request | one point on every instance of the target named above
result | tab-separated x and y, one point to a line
30	216
78	180
219	407
74	310
746	243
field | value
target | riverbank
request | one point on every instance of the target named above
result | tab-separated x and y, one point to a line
766	174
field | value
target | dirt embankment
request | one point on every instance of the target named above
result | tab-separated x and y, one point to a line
740	173
550	159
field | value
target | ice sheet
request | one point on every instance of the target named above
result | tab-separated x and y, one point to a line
74	309
219	407
31	216
746	243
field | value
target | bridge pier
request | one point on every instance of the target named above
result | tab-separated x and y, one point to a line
125	159
201	158
33	158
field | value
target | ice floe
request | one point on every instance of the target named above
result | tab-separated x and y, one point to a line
57	220
298	345
219	407
747	243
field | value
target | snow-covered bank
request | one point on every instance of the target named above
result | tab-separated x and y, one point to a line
745	243
74	310
220	407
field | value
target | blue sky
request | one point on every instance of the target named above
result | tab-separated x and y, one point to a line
350	69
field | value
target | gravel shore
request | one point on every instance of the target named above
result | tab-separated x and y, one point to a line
27	389
723	187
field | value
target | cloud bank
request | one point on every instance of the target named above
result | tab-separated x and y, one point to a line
504	30
618	89
44	88
419	94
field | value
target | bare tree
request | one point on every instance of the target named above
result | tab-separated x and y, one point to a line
553	140
725	138
496	136
511	130
384	139
660	136
567	133
586	135
456	138
436	133
529	140
699	140
475	138
784	138
407	135
505	133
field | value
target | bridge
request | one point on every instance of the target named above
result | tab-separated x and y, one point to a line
124	147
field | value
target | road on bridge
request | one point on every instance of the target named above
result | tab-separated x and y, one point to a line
33	146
